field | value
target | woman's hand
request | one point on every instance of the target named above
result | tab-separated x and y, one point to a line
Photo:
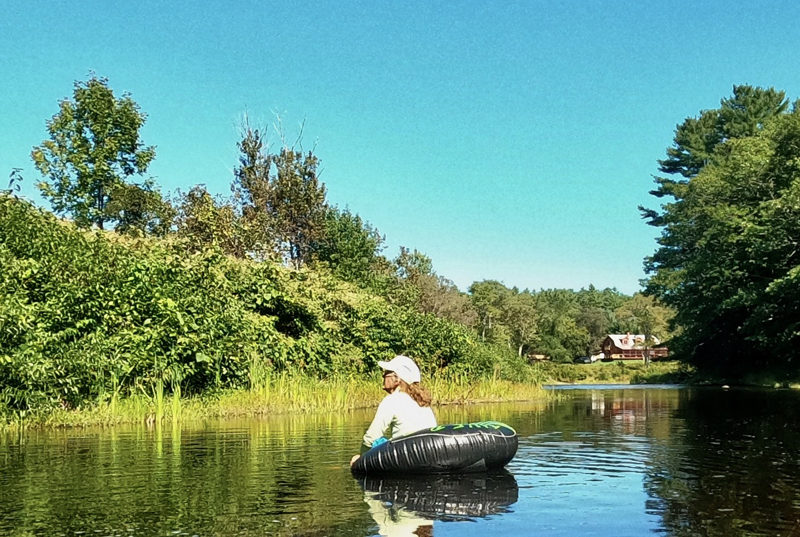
354	459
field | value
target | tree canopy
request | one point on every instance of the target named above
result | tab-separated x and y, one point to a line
94	147
727	260
282	199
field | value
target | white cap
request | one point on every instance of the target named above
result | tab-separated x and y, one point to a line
404	367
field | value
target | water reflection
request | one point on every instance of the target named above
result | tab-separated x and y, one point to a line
282	476
594	462
409	505
682	462
734	469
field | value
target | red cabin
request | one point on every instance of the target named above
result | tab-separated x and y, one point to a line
632	347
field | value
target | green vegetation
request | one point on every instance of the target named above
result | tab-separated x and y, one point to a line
94	147
620	372
728	256
97	320
200	303
92	318
283	394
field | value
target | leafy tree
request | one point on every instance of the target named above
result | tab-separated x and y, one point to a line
412	264
297	204
597	323
441	297
728	257
643	314
94	147
140	209
560	337
252	192
520	316
488	298
350	246
282	199
608	299
422	288
697	139
204	222
597	314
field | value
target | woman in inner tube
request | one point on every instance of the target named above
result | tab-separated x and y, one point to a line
407	408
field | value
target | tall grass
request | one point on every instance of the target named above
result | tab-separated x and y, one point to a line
285	391
158	400
276	392
459	388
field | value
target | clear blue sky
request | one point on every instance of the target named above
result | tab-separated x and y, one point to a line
505	140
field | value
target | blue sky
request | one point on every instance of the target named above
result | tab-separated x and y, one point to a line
505	140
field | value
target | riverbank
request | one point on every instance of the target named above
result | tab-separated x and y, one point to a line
618	372
286	394
668	372
281	394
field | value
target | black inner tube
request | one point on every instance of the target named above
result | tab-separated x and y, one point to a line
462	447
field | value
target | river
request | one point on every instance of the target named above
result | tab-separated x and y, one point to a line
606	461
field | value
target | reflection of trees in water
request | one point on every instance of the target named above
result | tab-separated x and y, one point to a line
733	468
279	478
718	463
409	505
640	412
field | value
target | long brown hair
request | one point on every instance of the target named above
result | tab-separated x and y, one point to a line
420	395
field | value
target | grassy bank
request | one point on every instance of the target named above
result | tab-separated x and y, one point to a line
618	372
287	393
672	372
283	393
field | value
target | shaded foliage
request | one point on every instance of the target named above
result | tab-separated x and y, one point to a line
140	209
727	257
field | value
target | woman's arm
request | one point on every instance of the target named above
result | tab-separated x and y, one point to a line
380	423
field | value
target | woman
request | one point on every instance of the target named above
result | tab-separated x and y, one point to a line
407	408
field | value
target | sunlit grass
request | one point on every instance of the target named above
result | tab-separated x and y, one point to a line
274	394
288	393
449	390
618	372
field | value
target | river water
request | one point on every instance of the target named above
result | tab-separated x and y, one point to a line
606	461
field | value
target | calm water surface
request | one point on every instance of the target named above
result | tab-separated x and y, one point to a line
607	461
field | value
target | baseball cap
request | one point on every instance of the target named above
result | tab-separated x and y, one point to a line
404	367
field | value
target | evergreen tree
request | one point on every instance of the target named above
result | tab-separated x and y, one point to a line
727	259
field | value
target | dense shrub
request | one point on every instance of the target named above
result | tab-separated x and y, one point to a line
87	314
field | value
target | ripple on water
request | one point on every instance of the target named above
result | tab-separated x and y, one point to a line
585	455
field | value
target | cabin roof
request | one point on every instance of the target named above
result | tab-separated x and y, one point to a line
630	341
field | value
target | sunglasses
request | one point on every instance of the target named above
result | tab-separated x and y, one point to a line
389	374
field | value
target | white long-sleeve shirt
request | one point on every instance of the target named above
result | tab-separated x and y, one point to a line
398	415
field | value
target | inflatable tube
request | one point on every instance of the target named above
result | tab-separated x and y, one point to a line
464	447
445	497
